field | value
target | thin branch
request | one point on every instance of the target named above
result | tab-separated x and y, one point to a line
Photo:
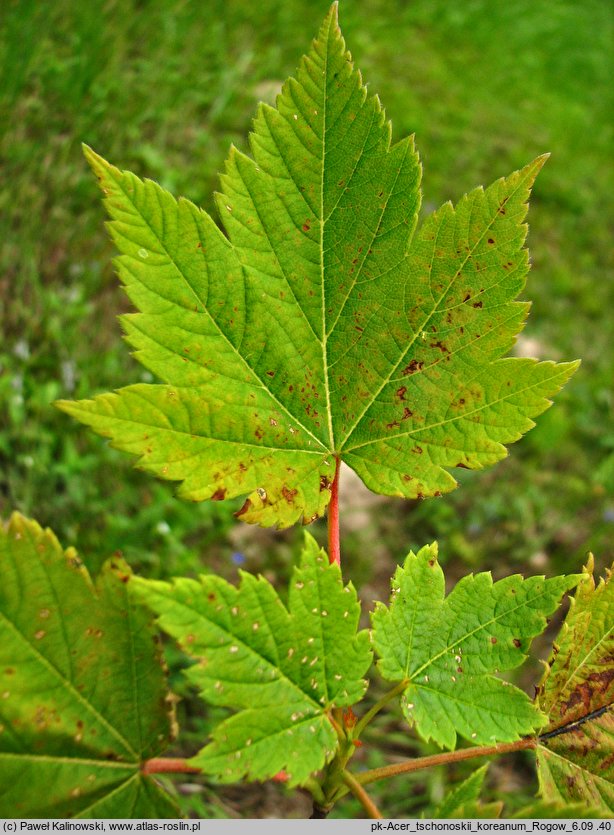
357	790
443	759
334	550
387	697
168	765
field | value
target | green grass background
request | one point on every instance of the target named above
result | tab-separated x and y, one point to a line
163	87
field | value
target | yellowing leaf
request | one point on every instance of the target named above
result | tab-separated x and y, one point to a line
580	677
578	766
322	326
82	690
576	755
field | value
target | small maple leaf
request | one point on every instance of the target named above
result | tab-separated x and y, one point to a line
447	649
283	669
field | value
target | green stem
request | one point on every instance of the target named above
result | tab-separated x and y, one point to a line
314	788
443	759
357	790
387	697
334	549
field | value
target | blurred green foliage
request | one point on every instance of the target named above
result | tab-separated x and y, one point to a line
162	87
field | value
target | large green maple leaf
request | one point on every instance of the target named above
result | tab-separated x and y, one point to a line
283	669
83	697
447	649
322	326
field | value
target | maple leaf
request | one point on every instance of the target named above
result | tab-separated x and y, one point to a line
323	326
464	800
447	648
84	698
283	669
575	757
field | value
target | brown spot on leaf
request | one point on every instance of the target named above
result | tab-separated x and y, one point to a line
587	693
414	365
441	346
605	764
270	373
393	425
407	413
288	494
462	465
491	241
400	392
478	304
517	643
219	495
493	640
417	450
307	226
244	508
325	483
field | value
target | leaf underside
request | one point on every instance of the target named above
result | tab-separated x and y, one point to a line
448	648
283	669
321	325
82	689
576	765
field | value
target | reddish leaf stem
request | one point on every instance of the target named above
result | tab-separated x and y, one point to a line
168	765
358	791
334	550
175	765
444	759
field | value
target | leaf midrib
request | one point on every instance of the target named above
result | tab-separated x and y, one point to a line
85	761
464	416
322	272
72	404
